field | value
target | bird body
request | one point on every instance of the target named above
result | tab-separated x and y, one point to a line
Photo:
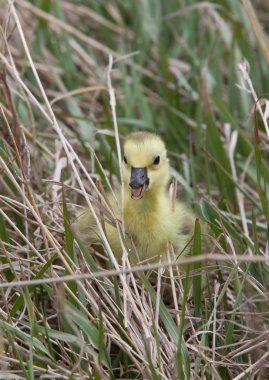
152	219
154	223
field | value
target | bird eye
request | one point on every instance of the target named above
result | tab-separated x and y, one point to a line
125	159
156	160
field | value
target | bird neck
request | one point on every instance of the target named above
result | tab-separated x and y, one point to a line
152	201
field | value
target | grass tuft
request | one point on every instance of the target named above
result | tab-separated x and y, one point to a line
75	79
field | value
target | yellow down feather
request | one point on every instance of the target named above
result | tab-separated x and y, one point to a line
151	222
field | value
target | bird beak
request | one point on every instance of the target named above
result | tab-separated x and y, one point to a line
139	182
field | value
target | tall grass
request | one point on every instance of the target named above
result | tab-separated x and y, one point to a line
197	74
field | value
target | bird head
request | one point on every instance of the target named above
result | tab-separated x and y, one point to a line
145	164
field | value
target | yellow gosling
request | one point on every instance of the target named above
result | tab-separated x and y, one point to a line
152	219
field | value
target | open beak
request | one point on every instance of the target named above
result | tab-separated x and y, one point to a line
139	182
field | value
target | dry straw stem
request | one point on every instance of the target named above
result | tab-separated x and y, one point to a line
252	367
143	268
203	6
244	69
67	147
70	153
112	98
120	228
82	10
261	37
51	118
57	24
142	315
231	139
77	91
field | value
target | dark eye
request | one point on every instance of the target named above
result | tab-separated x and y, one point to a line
156	160
125	159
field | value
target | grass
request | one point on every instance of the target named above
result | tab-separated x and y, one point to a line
76	77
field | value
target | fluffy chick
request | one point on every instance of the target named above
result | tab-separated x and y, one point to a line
152	219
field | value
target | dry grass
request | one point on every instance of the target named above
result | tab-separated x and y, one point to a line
63	69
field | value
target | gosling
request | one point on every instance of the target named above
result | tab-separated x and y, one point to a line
153	221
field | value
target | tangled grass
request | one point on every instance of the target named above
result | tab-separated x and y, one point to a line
76	77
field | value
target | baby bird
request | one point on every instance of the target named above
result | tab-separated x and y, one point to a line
152	220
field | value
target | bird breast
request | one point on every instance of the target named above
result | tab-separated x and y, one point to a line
151	229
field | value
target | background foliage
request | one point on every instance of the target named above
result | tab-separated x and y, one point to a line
192	71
